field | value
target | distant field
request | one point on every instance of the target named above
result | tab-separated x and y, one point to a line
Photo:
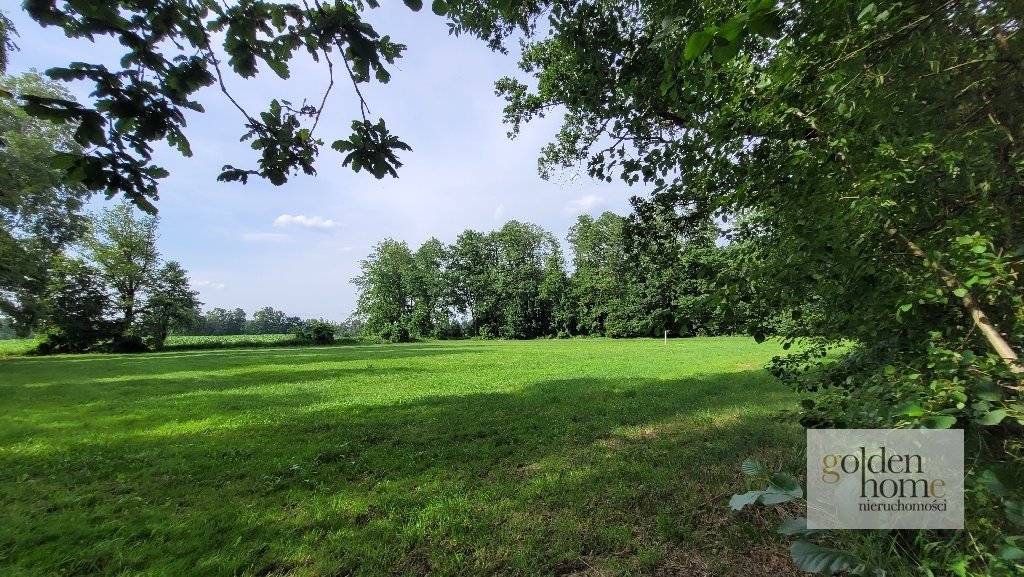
191	340
577	457
9	347
21	346
226	341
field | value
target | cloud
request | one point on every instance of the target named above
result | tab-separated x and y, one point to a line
317	222
582	205
265	237
208	284
499	211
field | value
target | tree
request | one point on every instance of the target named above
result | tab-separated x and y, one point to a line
527	256
268	321
429	316
123	247
385	303
75	307
470	278
172	304
39	215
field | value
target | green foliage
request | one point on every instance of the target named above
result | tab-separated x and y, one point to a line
170	56
171	304
118	296
218	321
75	308
39	215
385	303
314	333
123	247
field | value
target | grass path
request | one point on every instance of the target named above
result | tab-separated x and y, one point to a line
581	457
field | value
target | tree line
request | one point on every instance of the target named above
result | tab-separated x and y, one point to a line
265	321
627	279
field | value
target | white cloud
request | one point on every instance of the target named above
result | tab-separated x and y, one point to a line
582	205
265	237
317	222
208	284
499	211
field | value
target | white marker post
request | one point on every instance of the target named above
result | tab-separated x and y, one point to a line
666	337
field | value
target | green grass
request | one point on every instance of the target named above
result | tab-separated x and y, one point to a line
582	457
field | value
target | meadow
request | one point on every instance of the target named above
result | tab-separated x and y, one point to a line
577	457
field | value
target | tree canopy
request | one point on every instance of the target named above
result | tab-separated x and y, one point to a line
40	215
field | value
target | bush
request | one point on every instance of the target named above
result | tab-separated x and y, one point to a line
314	333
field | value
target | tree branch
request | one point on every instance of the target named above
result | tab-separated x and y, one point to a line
978	316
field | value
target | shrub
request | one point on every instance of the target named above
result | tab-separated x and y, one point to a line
314	333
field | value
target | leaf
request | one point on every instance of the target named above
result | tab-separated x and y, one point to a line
1011	553
732	29
939	421
867	11
697	43
787	484
759	337
751	467
764	24
439	7
737	502
816	559
1014	512
414	5
910	409
993	417
724	52
797	526
906	307
960	292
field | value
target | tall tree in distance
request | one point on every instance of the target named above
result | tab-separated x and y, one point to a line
171	303
471	277
429	313
599	281
385	301
123	246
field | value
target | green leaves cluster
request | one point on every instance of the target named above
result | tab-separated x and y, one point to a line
171	55
40	215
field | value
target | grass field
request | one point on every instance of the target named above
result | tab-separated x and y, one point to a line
579	457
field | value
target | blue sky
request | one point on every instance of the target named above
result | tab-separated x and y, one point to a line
295	247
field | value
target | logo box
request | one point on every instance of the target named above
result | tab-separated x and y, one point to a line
885	479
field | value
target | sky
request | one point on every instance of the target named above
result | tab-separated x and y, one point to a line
296	247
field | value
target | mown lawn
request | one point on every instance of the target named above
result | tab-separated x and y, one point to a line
581	457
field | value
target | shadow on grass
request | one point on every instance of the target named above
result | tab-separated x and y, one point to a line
624	476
